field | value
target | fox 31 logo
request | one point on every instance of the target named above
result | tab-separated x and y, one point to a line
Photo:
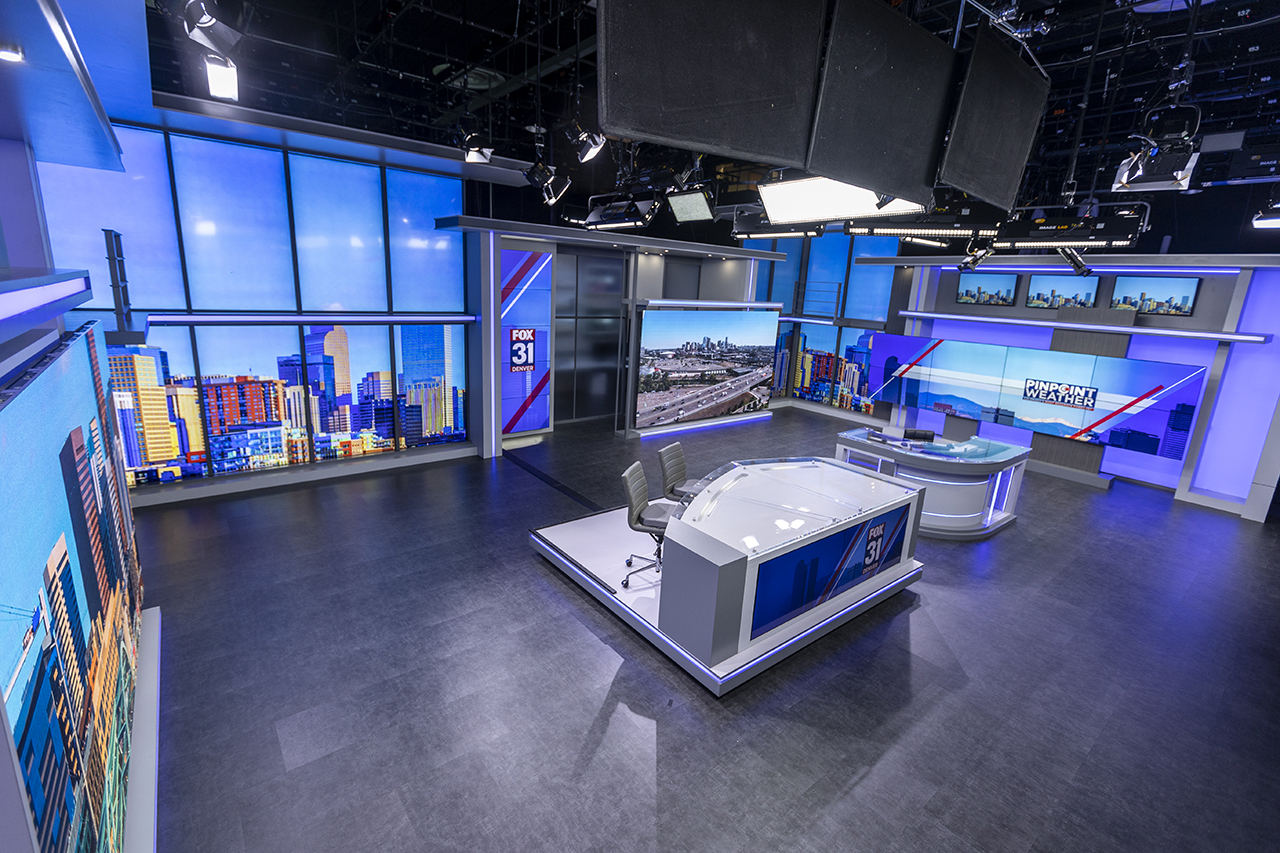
522	341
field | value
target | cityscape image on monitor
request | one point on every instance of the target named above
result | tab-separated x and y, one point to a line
981	288
1155	294
1062	291
703	364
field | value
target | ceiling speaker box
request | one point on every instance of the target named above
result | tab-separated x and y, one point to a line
884	102
996	122
729	77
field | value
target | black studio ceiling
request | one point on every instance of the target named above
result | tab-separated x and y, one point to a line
414	69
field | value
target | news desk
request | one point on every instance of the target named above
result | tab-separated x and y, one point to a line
971	486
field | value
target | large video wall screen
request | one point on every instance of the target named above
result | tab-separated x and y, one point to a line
1144	406
70	584
698	365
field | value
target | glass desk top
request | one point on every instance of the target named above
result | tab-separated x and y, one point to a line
759	504
970	450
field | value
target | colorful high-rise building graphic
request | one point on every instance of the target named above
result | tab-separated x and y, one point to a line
70	694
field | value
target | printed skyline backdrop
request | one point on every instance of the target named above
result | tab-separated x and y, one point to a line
1155	294
265	401
70	599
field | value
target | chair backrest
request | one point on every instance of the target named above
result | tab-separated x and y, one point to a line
674	471
637	489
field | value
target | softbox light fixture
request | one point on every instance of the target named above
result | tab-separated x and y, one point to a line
691	206
825	200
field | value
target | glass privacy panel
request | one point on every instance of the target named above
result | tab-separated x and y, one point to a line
137	202
157	407
254	397
596	390
348	380
431	387
337	220
867	296
600	282
566	285
426	264
564	367
787	273
235	225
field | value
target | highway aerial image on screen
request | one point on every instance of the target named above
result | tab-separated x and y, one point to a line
702	379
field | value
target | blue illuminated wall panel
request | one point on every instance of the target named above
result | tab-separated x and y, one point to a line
1031	337
828	262
525	341
867	296
337	214
80	202
1246	398
235	225
787	273
426	264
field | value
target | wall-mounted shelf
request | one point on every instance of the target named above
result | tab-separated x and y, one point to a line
284	319
1228	337
30	296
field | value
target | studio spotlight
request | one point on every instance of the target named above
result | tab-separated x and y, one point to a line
1072	257
200	21
754	226
975	256
223	82
586	143
544	178
1269	216
612	212
476	147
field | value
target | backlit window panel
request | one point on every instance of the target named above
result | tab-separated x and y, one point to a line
235	225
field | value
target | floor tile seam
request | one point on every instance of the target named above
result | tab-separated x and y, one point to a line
546	478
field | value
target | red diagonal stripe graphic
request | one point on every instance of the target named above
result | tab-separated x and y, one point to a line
1135	401
524	407
902	371
520	274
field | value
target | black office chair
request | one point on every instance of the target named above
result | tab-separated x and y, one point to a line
644	517
675	476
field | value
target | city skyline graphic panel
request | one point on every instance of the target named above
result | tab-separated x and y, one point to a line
70	599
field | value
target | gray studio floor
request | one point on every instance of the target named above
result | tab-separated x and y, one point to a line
382	664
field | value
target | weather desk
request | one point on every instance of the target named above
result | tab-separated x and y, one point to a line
971	486
765	557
